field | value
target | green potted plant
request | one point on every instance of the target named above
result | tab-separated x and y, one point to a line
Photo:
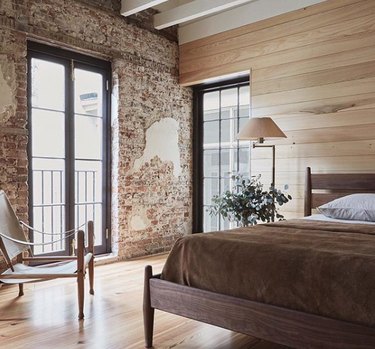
249	202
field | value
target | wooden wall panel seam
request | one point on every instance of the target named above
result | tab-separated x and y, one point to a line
312	121
334	90
306	66
320	106
317	78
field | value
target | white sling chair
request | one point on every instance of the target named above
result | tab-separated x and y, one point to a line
13	243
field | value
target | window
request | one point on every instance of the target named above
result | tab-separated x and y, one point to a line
220	112
69	176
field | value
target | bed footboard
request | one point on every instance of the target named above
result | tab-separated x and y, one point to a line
275	324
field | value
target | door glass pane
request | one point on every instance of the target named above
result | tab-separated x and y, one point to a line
211	163
211	106
211	133
88	181
48	191
229	103
244	161
225	161
47	85
242	122
48	133
88	93
226	184
245	101
48	154
90	212
92	128
225	223
88	195
211	188
226	131
210	223
88	140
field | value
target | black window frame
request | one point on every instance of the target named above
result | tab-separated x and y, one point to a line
74	60
198	166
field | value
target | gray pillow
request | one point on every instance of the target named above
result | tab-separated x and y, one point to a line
357	207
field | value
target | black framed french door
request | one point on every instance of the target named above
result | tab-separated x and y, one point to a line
69	146
220	111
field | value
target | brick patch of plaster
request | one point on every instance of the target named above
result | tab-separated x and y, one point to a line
7	88
162	141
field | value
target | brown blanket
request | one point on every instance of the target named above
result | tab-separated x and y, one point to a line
316	267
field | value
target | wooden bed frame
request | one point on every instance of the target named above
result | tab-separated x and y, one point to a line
276	324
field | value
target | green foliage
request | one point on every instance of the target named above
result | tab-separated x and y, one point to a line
248	202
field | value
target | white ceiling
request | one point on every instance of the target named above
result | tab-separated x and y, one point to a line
201	18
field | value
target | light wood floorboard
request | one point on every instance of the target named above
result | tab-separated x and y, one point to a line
46	317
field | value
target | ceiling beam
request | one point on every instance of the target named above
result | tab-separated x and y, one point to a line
130	7
193	10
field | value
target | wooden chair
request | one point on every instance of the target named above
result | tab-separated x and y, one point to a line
13	243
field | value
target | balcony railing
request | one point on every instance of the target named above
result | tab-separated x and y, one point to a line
49	205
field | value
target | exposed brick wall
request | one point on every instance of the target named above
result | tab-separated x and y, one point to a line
13	119
112	5
165	199
142	19
145	90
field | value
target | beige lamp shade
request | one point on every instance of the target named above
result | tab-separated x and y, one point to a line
259	129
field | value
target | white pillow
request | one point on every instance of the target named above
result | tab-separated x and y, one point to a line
358	207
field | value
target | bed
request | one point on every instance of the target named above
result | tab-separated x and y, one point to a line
316	319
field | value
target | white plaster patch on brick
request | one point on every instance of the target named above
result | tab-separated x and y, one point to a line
114	98
139	221
162	141
7	88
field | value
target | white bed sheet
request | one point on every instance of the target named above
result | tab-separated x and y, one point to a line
322	217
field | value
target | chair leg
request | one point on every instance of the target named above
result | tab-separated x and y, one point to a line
20	290
80	272
91	275
81	295
91	250
148	311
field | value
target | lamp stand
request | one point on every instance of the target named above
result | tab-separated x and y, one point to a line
261	145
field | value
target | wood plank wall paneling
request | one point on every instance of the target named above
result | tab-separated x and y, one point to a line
313	71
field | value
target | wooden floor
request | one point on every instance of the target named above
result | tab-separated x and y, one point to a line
46	317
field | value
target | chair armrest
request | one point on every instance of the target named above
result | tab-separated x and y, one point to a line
36	276
50	258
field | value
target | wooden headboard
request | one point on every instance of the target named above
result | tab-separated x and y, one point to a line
321	188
